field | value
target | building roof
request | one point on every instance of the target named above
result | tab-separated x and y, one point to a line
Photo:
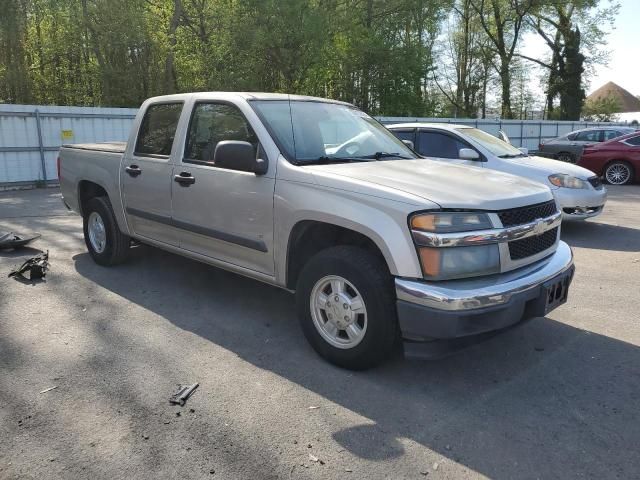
626	101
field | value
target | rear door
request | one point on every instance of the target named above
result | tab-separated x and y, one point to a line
224	214
146	174
443	146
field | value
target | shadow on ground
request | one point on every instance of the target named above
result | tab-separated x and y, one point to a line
601	236
542	401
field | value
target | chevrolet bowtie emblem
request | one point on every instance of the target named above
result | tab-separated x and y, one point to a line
539	229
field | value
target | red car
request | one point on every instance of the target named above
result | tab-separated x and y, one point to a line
617	160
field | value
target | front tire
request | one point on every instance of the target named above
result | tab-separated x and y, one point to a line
618	173
566	157
107	245
346	307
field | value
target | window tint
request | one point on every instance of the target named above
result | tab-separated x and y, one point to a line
158	129
609	134
635	141
212	123
589	136
432	144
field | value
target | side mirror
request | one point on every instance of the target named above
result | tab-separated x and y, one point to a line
503	136
241	156
468	154
409	144
524	150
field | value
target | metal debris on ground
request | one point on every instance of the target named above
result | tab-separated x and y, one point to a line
11	240
183	394
313	407
36	267
48	389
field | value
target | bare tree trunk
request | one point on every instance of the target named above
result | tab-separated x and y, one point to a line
170	77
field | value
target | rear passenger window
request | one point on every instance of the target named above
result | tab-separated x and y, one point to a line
158	129
609	134
439	145
212	123
589	136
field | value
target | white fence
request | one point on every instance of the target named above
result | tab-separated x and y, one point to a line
31	135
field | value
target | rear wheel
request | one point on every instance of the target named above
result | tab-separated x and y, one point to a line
346	307
107	245
618	173
566	157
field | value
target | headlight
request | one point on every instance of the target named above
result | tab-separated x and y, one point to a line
459	262
445	263
446	222
567	181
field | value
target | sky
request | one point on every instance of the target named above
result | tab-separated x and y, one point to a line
623	43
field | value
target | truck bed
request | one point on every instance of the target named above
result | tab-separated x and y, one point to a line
111	147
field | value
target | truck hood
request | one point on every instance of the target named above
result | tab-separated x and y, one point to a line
547	166
448	185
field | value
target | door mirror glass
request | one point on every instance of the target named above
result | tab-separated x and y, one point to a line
238	155
468	154
409	144
524	150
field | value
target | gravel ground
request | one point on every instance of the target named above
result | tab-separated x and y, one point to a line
555	398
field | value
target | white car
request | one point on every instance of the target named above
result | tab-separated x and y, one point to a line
578	191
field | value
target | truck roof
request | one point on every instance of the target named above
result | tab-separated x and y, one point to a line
442	126
244	95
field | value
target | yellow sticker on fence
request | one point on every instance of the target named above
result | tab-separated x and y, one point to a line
67	134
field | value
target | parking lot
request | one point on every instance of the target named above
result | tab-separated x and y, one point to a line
555	398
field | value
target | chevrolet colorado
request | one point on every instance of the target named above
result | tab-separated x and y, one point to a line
318	198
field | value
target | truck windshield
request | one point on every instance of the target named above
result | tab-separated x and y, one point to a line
496	146
320	132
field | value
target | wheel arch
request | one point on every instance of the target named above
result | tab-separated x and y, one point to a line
308	237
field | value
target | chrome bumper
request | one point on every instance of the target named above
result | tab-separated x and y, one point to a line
461	295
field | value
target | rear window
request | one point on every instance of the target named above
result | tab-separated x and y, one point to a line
158	129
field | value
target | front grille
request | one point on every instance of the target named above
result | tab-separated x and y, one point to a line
596	182
526	247
518	216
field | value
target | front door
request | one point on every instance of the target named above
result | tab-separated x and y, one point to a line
146	174
222	213
443	146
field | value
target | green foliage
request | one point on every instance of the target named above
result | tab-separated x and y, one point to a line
390	57
601	110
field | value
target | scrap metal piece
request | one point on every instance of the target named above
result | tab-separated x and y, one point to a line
183	393
36	267
11	240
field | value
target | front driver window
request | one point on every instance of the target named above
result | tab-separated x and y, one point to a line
439	145
212	123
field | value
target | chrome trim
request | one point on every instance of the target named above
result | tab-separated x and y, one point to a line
483	237
456	295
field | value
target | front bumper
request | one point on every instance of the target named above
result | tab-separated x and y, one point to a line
459	308
579	204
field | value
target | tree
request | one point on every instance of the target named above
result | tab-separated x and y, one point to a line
602	109
502	21
568	28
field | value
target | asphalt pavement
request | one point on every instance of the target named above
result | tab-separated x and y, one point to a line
556	398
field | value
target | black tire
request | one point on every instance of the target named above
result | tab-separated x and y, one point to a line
370	276
117	243
619	164
566	157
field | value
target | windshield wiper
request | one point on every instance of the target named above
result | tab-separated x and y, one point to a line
326	160
509	155
379	155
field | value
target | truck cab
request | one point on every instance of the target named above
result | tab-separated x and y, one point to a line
316	197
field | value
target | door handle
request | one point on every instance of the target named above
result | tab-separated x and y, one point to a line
133	170
185	179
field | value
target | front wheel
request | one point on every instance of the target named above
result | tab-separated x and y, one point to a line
346	307
566	157
618	173
107	245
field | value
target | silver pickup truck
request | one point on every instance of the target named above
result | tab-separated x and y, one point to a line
318	198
